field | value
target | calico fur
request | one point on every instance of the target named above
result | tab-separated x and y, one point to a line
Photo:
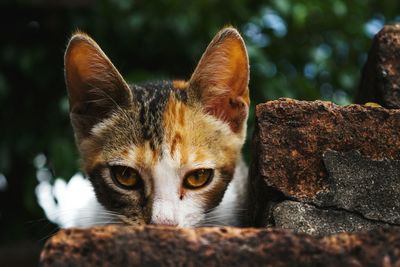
163	130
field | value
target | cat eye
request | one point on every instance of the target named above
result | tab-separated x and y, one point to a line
198	178
126	177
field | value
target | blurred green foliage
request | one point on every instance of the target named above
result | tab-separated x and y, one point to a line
304	49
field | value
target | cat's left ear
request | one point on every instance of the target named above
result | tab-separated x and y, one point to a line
220	80
95	87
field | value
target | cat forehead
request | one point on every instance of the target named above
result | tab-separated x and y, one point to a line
161	115
151	100
156	91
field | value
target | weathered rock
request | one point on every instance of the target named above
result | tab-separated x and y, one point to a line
291	137
158	246
305	218
368	187
289	143
380	80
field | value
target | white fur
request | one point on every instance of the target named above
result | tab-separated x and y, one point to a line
232	206
71	204
165	192
168	207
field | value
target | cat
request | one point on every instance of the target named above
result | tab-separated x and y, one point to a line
166	152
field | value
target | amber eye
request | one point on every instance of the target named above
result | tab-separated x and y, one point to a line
126	177
198	178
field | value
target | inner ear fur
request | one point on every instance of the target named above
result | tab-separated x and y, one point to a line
95	87
220	80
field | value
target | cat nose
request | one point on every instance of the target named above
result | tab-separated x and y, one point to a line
163	213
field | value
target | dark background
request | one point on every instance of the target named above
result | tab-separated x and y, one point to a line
304	49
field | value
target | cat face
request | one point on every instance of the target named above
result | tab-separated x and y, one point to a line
161	152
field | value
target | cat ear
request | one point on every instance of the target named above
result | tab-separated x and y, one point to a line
220	80
95	87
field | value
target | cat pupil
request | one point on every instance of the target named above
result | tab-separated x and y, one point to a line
201	175
127	173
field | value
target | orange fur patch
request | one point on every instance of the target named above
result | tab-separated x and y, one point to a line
180	84
145	156
176	140
188	130
174	126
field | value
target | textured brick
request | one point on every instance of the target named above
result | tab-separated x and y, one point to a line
157	246
289	143
291	137
313	220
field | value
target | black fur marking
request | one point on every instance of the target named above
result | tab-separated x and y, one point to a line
152	98
109	198
181	95
214	196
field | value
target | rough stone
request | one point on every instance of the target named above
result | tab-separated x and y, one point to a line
381	74
289	143
368	187
159	246
313	220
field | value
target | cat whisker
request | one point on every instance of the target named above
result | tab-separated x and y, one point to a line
98	223
98	212
36	221
51	234
210	224
83	224
219	218
61	213
85	218
104	93
222	215
233	209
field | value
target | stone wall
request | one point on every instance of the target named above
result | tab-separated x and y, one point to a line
320	168
160	246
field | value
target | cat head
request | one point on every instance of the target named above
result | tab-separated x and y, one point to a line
161	152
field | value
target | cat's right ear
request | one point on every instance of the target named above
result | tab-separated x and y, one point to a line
95	87
221	78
